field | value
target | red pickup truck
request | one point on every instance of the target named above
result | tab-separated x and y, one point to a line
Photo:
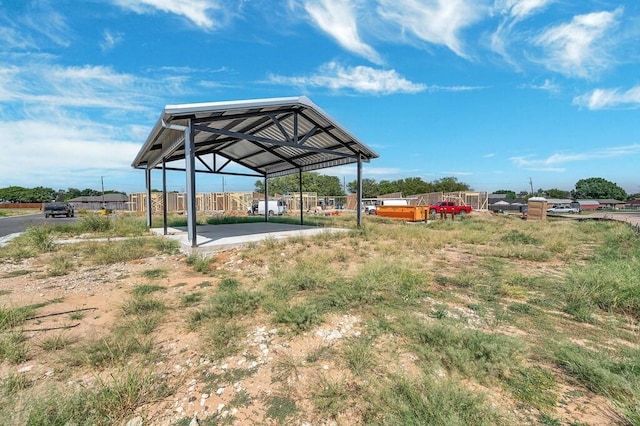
449	207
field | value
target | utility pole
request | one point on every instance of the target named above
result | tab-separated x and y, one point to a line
102	182
531	184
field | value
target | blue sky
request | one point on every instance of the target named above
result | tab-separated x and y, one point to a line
493	92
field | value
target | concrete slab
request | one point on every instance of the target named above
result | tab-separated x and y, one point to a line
215	238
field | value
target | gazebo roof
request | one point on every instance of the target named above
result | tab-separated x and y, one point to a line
270	137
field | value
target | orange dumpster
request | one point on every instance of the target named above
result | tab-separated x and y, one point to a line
409	213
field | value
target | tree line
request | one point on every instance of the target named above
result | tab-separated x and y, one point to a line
324	185
591	188
39	194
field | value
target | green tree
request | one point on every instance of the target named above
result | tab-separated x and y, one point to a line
557	193
370	188
323	185
415	185
596	187
450	184
13	194
510	195
388	187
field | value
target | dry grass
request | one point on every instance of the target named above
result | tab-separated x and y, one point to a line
489	320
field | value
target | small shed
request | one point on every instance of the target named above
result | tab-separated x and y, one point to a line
586	204
537	208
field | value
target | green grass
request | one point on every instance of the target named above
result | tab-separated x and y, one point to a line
533	386
227	304
13	348
142	306
330	396
358	354
146	289
156	273
422	401
200	263
56	342
60	265
17	273
280	408
107	402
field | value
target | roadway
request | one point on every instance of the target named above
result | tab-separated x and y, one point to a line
12	225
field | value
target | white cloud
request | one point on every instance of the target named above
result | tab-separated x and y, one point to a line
552	162
513	11
580	48
359	79
518	10
609	98
110	40
338	19
454	173
80	87
198	12
37	150
434	21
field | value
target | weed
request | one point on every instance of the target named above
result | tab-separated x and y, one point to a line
205	284
228	284
518	237
286	368
60	265
77	315
145	289
533	386
223	338
471	352
521	308
108	402
141	306
279	408
166	245
240	399
12	317
153	274
40	238
425	402
199	263
14	383
358	355
299	318
319	353
115	349
596	370
329	397
56	342
16	273
120	251
191	299
13	348
96	224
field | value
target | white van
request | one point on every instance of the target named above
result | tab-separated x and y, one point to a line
278	207
394	202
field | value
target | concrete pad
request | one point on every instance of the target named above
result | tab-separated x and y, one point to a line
215	238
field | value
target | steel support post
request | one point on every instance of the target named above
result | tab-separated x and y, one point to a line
359	193
300	188
164	196
190	162
147	179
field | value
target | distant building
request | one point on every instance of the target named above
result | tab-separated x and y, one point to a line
610	203
96	202
586	204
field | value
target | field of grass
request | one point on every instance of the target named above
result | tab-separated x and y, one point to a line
485	320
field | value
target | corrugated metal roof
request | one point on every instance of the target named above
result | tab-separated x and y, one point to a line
270	137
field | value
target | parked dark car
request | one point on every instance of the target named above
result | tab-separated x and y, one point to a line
58	209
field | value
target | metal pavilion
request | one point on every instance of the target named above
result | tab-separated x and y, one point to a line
268	137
